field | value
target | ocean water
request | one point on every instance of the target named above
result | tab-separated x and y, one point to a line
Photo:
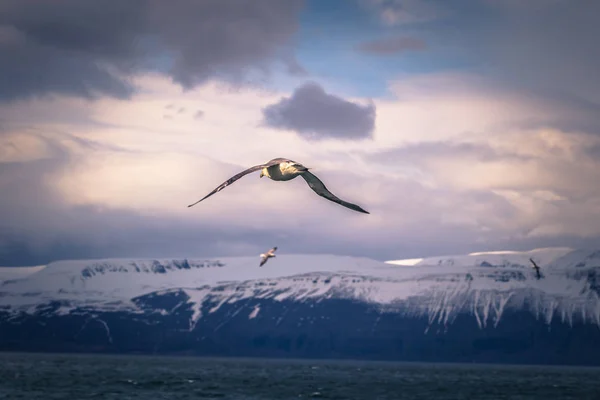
57	376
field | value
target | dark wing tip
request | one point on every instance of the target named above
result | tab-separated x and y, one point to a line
359	209
193	204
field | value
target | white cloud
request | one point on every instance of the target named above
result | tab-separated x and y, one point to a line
18	147
463	134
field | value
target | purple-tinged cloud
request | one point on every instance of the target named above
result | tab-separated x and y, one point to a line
85	48
316	114
413	153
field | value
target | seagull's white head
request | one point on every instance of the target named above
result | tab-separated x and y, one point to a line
264	172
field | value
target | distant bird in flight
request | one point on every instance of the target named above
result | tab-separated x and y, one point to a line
265	257
282	169
537	269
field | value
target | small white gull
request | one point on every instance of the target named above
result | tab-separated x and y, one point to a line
283	169
265	257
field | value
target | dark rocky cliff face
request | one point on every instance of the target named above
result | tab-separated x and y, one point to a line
316	328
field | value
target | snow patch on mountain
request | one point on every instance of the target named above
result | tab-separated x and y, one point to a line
504	258
254	312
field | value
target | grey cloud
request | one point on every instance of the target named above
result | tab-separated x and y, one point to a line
30	70
564	111
392	45
84	48
594	152
540	46
315	114
293	67
221	38
420	151
556	47
562	176
546	47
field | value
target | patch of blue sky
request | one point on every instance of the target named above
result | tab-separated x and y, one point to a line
327	41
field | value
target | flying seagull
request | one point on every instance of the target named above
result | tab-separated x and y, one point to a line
537	269
283	169
265	257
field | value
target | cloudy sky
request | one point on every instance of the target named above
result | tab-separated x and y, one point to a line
461	126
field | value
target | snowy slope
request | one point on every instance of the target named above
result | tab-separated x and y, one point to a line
8	273
543	256
483	285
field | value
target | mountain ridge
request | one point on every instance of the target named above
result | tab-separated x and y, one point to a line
477	295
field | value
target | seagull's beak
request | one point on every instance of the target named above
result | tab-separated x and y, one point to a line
261	174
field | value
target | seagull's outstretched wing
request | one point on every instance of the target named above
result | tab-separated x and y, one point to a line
320	189
264	259
238	176
273	250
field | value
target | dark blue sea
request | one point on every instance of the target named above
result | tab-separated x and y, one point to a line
58	376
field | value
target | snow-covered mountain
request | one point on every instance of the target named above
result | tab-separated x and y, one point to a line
477	292
481	284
